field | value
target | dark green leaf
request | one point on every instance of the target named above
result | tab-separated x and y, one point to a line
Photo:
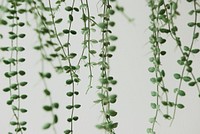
192	83
111	113
113	38
47	108
55	119
187	78
181	93
71	17
195	51
23	83
177	76
22	35
181	106
58	21
75	118
46	126
68	8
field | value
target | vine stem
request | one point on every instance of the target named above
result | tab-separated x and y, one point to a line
45	83
183	70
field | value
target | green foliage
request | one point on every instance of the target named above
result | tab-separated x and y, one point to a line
56	48
162	20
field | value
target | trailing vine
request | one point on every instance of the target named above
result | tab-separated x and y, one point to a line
106	80
162	22
56	34
186	61
14	74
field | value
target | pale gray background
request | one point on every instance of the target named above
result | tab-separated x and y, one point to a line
129	67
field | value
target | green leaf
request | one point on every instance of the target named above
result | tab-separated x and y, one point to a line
191	24
164	30
23	110
161	40
77	106
104	81
47	108
13	123
113	37
153	105
195	51
192	83
20	49
166	116
68	8
46	126
23	123
150	131
55	119
14	86
3	22
69	119
68	82
22	35
114	82
69	106
112	23
112	48
102	25
14	96
153	80
153	93
71	17
198	24
196	35
177	76
186	48
111	113
163	52
198	79
14	108
47	92
164	103
6	89
21	60
75	118
24	83
70	94
58	21
151	69
152	120
76	9
21	11
73	32
66	31
24	96
187	78
92	52
21	24
181	106
189	69
101	95
21	72
181	93
112	125
189	0
55	105
171	104
67	131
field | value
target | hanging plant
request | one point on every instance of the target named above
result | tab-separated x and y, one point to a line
163	15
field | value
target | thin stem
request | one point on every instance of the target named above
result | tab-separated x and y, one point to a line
184	67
